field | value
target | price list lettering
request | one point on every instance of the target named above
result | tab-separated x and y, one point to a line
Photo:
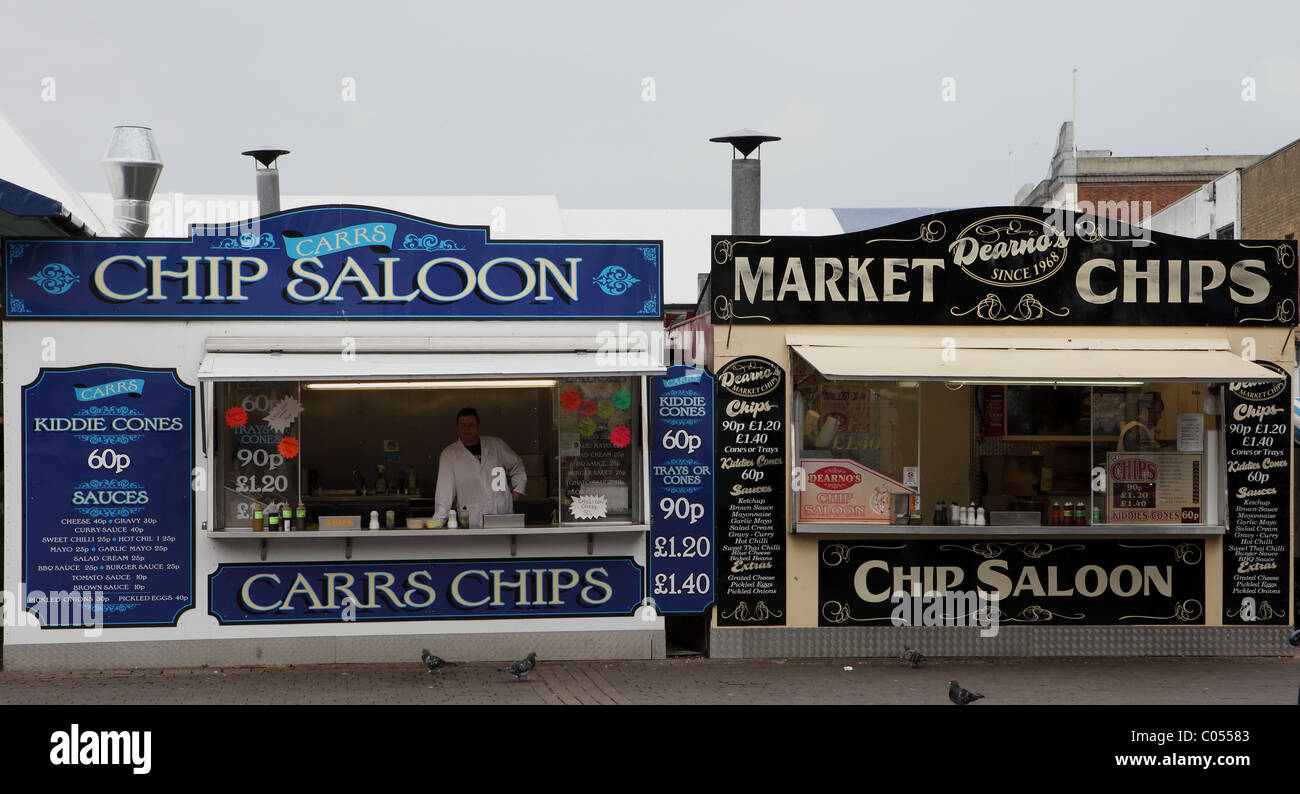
260	446
750	491
681	491
1257	545
108	504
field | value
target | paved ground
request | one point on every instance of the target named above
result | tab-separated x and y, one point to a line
1163	681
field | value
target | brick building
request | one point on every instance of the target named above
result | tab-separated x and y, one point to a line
1124	188
1270	196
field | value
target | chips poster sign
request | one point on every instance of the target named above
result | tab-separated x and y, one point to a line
1154	487
844	490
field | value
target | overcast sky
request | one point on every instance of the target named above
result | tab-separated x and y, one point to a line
611	104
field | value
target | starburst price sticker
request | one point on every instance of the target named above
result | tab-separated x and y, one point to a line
283	414
289	447
593	506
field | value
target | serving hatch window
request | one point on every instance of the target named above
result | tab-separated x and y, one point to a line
1123	453
343	450
859	448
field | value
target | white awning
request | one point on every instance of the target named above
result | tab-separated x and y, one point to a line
421	366
1057	361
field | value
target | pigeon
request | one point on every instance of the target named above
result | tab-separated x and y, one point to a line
435	663
912	656
960	695
1295	638
523	667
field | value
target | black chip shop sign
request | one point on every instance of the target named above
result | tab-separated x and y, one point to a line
1004	265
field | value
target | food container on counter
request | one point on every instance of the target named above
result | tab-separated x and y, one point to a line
415	523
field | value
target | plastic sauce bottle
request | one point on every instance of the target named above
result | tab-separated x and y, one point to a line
258	517
1056	514
286	516
273	522
300	517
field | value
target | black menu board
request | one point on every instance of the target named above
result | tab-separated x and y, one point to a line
751	487
1257	547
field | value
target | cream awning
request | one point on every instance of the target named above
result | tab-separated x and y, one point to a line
1022	360
416	366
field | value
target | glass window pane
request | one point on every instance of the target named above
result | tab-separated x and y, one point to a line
859	448
600	433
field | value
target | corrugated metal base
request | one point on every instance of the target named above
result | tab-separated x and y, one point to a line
1011	641
557	645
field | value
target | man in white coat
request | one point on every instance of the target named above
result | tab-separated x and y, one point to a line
466	473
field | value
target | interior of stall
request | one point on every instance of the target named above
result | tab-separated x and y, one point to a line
936	453
349	453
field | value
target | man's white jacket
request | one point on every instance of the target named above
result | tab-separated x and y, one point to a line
463	480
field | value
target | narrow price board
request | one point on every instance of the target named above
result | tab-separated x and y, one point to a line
1257	547
681	538
108	502
751	490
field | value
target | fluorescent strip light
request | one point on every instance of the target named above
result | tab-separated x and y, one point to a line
435	384
1047	382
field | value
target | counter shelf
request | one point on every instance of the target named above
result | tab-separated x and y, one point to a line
1095	531
346	535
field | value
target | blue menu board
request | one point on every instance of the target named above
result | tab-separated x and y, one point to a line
108	505
681	491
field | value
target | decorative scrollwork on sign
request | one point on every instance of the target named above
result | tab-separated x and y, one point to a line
742	614
1186	611
1037	614
1264	611
248	241
1011	227
1027	308
16	250
1285	314
722	251
838	553
615	280
1032	549
835	554
650	253
722	311
1035	549
838	612
429	242
986	550
55	278
835	611
1186	553
930	232
1283	252
18	306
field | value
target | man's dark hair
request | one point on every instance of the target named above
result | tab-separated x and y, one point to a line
467	411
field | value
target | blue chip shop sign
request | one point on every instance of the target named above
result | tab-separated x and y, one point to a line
329	262
421	590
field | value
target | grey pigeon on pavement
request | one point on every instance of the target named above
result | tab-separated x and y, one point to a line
912	656
960	695
523	667
434	663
